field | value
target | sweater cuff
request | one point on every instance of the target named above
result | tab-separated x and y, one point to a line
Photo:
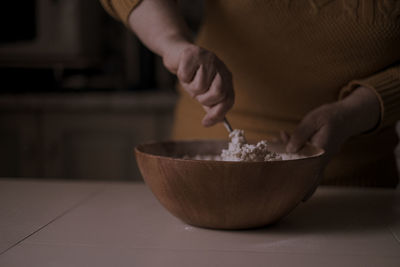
386	85
120	8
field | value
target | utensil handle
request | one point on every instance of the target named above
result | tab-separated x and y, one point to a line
227	125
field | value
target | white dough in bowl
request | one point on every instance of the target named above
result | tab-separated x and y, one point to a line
239	150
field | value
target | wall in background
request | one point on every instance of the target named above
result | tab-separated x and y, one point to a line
80	136
78	91
75	45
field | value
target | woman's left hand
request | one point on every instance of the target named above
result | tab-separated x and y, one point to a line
330	125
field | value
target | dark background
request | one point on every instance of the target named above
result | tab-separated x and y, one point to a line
62	45
78	91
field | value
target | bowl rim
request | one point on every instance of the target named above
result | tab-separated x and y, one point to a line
137	149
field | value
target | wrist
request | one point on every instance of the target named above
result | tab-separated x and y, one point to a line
362	107
171	50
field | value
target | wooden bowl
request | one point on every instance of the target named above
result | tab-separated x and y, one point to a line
225	195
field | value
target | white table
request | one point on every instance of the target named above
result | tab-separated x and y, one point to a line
58	223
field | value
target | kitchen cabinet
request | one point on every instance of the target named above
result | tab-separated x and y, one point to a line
19	144
95	146
90	136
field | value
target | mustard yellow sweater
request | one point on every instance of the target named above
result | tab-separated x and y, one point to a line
291	56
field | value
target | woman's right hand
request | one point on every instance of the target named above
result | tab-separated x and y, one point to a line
161	27
204	77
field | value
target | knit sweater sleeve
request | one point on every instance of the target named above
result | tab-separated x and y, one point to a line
120	9
386	85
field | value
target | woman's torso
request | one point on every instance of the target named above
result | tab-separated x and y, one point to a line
289	57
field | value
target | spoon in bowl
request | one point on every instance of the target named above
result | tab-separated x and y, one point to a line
227	125
230	130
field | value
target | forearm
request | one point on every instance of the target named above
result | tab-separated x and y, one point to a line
160	26
200	72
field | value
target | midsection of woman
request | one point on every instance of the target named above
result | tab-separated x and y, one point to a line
289	57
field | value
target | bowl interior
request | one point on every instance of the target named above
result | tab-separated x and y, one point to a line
180	149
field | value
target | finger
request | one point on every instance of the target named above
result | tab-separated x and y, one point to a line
224	70
187	68
284	137
215	94
217	113
328	141
197	85
301	135
320	139
203	80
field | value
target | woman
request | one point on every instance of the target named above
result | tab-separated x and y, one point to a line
326	72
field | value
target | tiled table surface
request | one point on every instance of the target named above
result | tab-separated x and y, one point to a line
55	223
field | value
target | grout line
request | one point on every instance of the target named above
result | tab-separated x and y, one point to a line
53	220
207	250
394	235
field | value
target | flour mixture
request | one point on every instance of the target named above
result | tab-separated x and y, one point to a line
239	150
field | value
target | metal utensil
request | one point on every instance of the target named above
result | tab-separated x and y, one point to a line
227	125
